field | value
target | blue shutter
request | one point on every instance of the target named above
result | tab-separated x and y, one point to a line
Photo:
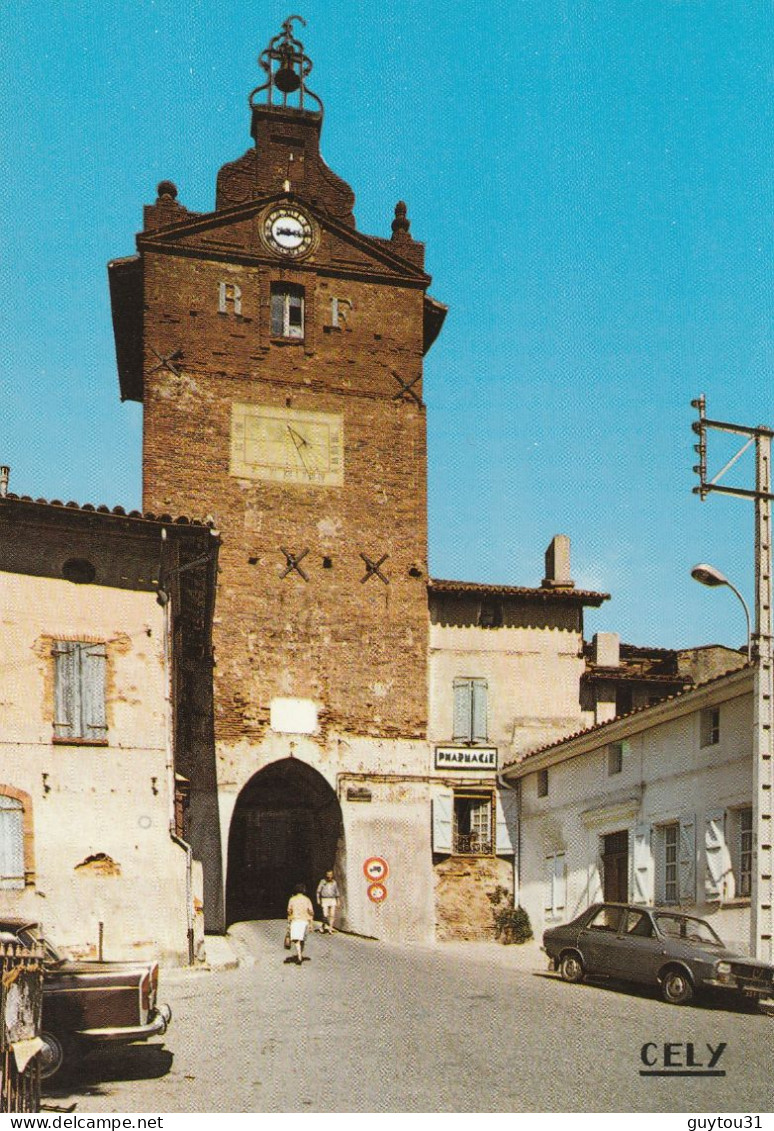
479	710
463	710
65	689
93	659
443	808
11	843
506	827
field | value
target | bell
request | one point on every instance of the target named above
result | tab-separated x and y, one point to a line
287	79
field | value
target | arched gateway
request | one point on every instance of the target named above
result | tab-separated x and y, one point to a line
286	829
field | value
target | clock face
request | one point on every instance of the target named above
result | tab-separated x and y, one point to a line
287	446
288	231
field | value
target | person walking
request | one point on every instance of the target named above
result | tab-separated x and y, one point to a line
328	898
300	915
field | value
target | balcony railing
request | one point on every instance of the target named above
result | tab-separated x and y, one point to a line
471	844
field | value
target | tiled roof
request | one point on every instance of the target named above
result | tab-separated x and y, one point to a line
119	512
587	596
557	742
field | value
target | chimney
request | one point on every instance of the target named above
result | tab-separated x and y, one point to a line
558	564
606	650
4	474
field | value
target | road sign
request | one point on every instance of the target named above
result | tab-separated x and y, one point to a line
375	869
377	893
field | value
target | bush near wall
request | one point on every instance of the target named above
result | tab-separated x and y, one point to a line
511	923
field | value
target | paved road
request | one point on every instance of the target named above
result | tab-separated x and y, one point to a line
367	1026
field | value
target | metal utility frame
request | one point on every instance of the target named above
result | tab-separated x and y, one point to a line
762	895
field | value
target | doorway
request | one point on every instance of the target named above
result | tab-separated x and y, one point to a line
615	867
286	829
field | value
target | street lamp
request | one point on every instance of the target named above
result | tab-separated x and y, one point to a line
711	577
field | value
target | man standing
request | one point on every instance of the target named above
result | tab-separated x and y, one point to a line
328	898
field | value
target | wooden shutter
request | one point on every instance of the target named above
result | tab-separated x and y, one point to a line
687	859
462	730
295	328
715	853
479	719
642	864
93	660
506	825
11	843
556	884
560	883
65	689
548	900
277	314
443	810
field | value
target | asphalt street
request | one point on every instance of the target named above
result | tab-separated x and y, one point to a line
365	1026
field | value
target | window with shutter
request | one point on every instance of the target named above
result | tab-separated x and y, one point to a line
740	838
555	901
507	823
472	832
80	691
11	843
715	856
642	864
687	878
470	710
443	804
667	843
287	311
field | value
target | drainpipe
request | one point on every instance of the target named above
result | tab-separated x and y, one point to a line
503	784
164	600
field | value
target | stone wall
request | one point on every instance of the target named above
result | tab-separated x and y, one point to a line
462	886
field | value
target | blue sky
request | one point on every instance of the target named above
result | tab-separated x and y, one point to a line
593	181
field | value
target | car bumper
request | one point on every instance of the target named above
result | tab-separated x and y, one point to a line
156	1027
739	987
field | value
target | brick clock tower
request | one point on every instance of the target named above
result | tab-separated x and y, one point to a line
278	352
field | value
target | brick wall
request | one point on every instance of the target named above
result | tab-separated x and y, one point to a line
359	648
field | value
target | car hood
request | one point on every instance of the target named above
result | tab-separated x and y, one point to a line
110	968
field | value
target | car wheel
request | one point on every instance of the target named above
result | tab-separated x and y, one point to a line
676	986
571	967
52	1055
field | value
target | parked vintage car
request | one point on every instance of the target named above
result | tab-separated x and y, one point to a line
654	946
90	1003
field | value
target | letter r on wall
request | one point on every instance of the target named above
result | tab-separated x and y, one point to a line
229	292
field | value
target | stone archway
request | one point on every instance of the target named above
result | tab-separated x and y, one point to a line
286	829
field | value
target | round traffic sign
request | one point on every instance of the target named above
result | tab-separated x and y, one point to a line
377	893
375	869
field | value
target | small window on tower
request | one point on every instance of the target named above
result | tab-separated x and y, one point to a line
287	311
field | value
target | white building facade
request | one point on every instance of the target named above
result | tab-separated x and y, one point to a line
651	808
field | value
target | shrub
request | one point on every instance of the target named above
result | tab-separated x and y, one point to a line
511	923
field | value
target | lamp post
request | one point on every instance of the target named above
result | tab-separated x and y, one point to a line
712	578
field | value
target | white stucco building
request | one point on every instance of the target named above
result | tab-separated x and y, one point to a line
91	813
651	807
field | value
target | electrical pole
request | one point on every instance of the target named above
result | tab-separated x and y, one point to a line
762	893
